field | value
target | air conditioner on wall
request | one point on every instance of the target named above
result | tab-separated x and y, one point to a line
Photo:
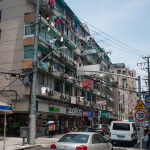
50	69
92	104
51	93
62	96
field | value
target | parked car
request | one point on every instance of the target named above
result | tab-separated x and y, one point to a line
86	129
101	128
82	141
123	131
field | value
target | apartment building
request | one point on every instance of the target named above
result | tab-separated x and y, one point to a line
65	93
125	92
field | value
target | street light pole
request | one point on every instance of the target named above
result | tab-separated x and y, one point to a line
32	115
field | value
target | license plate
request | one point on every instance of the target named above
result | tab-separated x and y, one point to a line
120	136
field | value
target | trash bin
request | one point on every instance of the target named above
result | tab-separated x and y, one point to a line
23	132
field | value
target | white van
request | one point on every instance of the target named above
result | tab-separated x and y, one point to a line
123	131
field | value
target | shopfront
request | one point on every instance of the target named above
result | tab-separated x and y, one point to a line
50	112
74	118
104	117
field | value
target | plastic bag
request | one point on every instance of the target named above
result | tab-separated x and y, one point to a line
146	138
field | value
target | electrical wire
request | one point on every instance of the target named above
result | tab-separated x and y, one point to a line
120	46
133	49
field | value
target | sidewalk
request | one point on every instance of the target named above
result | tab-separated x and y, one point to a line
16	143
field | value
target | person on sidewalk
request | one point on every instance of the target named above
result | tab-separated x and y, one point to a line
147	132
53	130
50	130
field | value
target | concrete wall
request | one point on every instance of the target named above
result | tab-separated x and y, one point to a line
11	42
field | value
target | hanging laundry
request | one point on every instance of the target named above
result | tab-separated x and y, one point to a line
43	90
51	2
57	21
87	83
47	89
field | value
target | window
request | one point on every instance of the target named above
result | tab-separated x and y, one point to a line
98	139
58	85
75	138
0	15
123	72
118	71
28	52
121	126
29	28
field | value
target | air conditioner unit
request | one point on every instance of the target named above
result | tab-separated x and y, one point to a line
51	69
66	57
85	102
51	93
63	17
75	30
26	80
62	96
92	104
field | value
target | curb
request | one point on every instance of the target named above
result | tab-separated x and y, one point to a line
26	147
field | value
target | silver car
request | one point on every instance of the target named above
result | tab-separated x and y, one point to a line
82	141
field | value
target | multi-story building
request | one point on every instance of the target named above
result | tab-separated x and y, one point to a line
125	91
63	93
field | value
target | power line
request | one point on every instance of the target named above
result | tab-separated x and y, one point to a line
117	44
111	37
123	49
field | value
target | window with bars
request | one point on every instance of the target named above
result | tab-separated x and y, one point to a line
28	52
29	28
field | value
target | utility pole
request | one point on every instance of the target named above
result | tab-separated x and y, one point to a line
32	115
148	71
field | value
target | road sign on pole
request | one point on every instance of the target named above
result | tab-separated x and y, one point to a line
147	102
140	115
140	105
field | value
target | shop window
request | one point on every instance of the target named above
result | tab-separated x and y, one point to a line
28	52
29	28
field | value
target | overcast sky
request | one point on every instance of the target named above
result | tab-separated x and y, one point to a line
126	21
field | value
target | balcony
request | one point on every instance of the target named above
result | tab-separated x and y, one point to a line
77	51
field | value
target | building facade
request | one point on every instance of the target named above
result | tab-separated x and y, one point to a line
125	92
68	91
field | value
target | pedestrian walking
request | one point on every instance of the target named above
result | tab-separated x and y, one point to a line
147	132
53	130
50	130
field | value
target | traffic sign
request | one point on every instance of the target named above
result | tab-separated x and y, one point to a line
140	115
140	105
147	102
5	108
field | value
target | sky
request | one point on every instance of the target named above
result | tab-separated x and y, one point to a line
122	27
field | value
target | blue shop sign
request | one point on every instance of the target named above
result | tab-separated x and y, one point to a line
90	114
5	108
